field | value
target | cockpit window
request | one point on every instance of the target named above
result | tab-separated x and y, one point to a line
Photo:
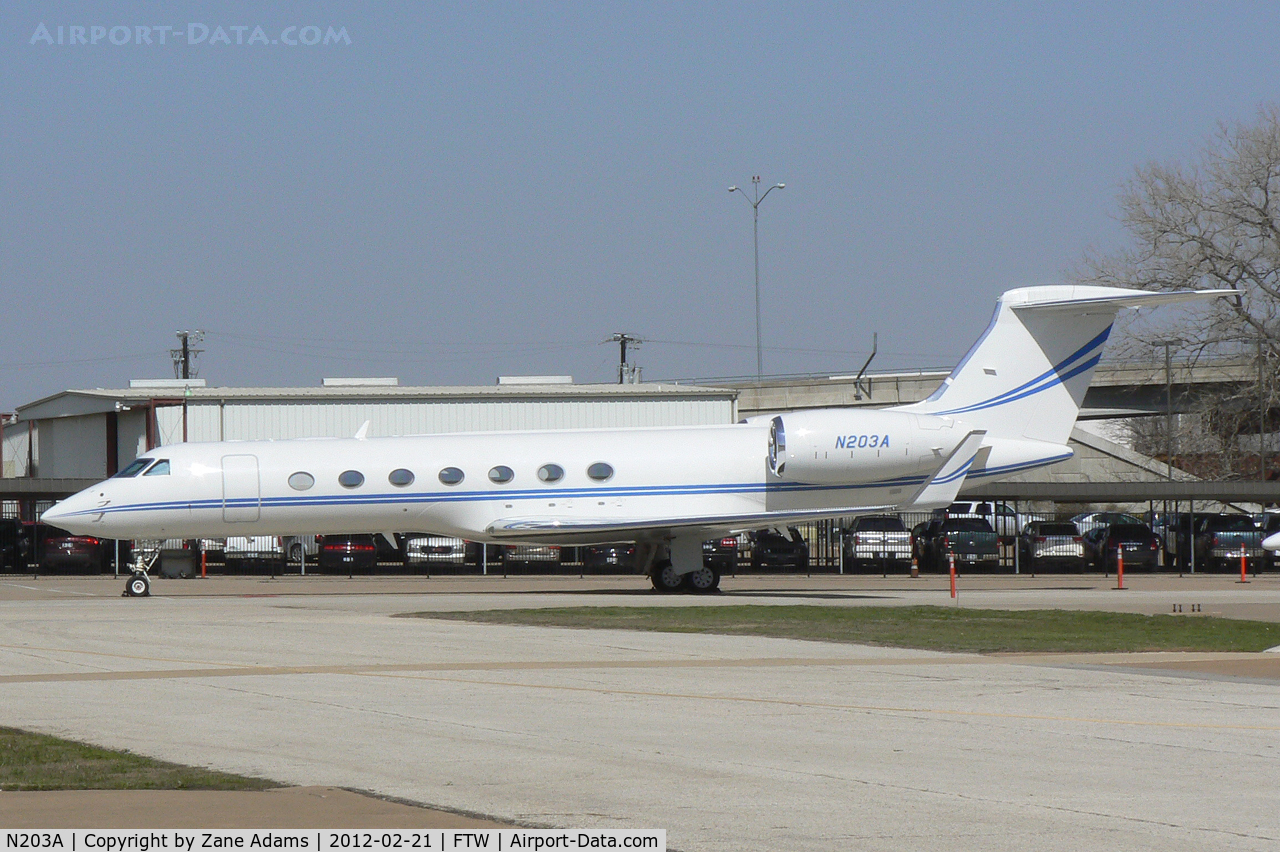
135	467
160	468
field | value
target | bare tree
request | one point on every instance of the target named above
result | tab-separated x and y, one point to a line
1214	223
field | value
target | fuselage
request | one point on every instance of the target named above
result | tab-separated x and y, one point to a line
466	484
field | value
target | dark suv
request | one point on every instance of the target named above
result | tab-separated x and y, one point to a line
772	549
9	561
721	553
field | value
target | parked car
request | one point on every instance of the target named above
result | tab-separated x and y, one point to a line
61	551
296	546
876	540
529	554
1141	547
9	528
721	553
1087	521
53	549
348	554
601	557
1051	543
772	549
1165	527
1220	539
970	539
252	553
434	549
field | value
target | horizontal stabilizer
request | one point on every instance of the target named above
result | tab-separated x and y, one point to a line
1086	297
940	491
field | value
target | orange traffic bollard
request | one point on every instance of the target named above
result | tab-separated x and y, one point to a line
951	557
1242	565
203	564
1120	568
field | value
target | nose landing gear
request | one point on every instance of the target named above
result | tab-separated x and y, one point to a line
138	585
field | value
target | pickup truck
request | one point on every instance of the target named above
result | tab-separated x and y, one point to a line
254	553
1007	523
1219	540
972	540
876	540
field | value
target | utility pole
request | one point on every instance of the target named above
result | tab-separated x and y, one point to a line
185	355
627	374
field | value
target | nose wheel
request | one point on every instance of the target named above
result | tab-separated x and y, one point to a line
145	556
138	586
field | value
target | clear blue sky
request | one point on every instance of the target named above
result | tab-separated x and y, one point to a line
474	189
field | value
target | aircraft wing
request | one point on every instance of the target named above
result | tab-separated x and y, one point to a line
548	527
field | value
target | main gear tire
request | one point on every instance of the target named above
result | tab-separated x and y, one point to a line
703	581
665	578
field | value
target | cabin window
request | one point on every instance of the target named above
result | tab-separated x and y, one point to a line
501	474
600	471
351	479
551	473
135	467
451	476
400	477
160	468
301	481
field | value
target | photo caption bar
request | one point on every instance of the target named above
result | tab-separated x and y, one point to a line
327	840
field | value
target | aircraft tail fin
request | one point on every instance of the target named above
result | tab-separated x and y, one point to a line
1026	376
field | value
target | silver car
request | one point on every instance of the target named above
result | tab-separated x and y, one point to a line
434	548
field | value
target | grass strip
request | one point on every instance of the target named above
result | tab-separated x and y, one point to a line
38	762
927	627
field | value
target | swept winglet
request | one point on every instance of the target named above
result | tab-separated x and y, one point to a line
940	491
363	431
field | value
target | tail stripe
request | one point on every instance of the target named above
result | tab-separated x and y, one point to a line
1050	378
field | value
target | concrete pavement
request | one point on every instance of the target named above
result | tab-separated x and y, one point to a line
727	742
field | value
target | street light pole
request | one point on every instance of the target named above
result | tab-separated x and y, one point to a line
755	240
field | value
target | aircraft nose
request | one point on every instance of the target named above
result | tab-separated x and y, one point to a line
73	514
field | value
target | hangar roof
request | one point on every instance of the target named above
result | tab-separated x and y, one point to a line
88	401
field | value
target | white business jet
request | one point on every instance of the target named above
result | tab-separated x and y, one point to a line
1008	407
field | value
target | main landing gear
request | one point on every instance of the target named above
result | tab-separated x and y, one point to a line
681	569
701	580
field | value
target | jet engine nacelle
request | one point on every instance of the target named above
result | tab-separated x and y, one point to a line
840	446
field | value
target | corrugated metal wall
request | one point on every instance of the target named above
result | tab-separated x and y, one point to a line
62	447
